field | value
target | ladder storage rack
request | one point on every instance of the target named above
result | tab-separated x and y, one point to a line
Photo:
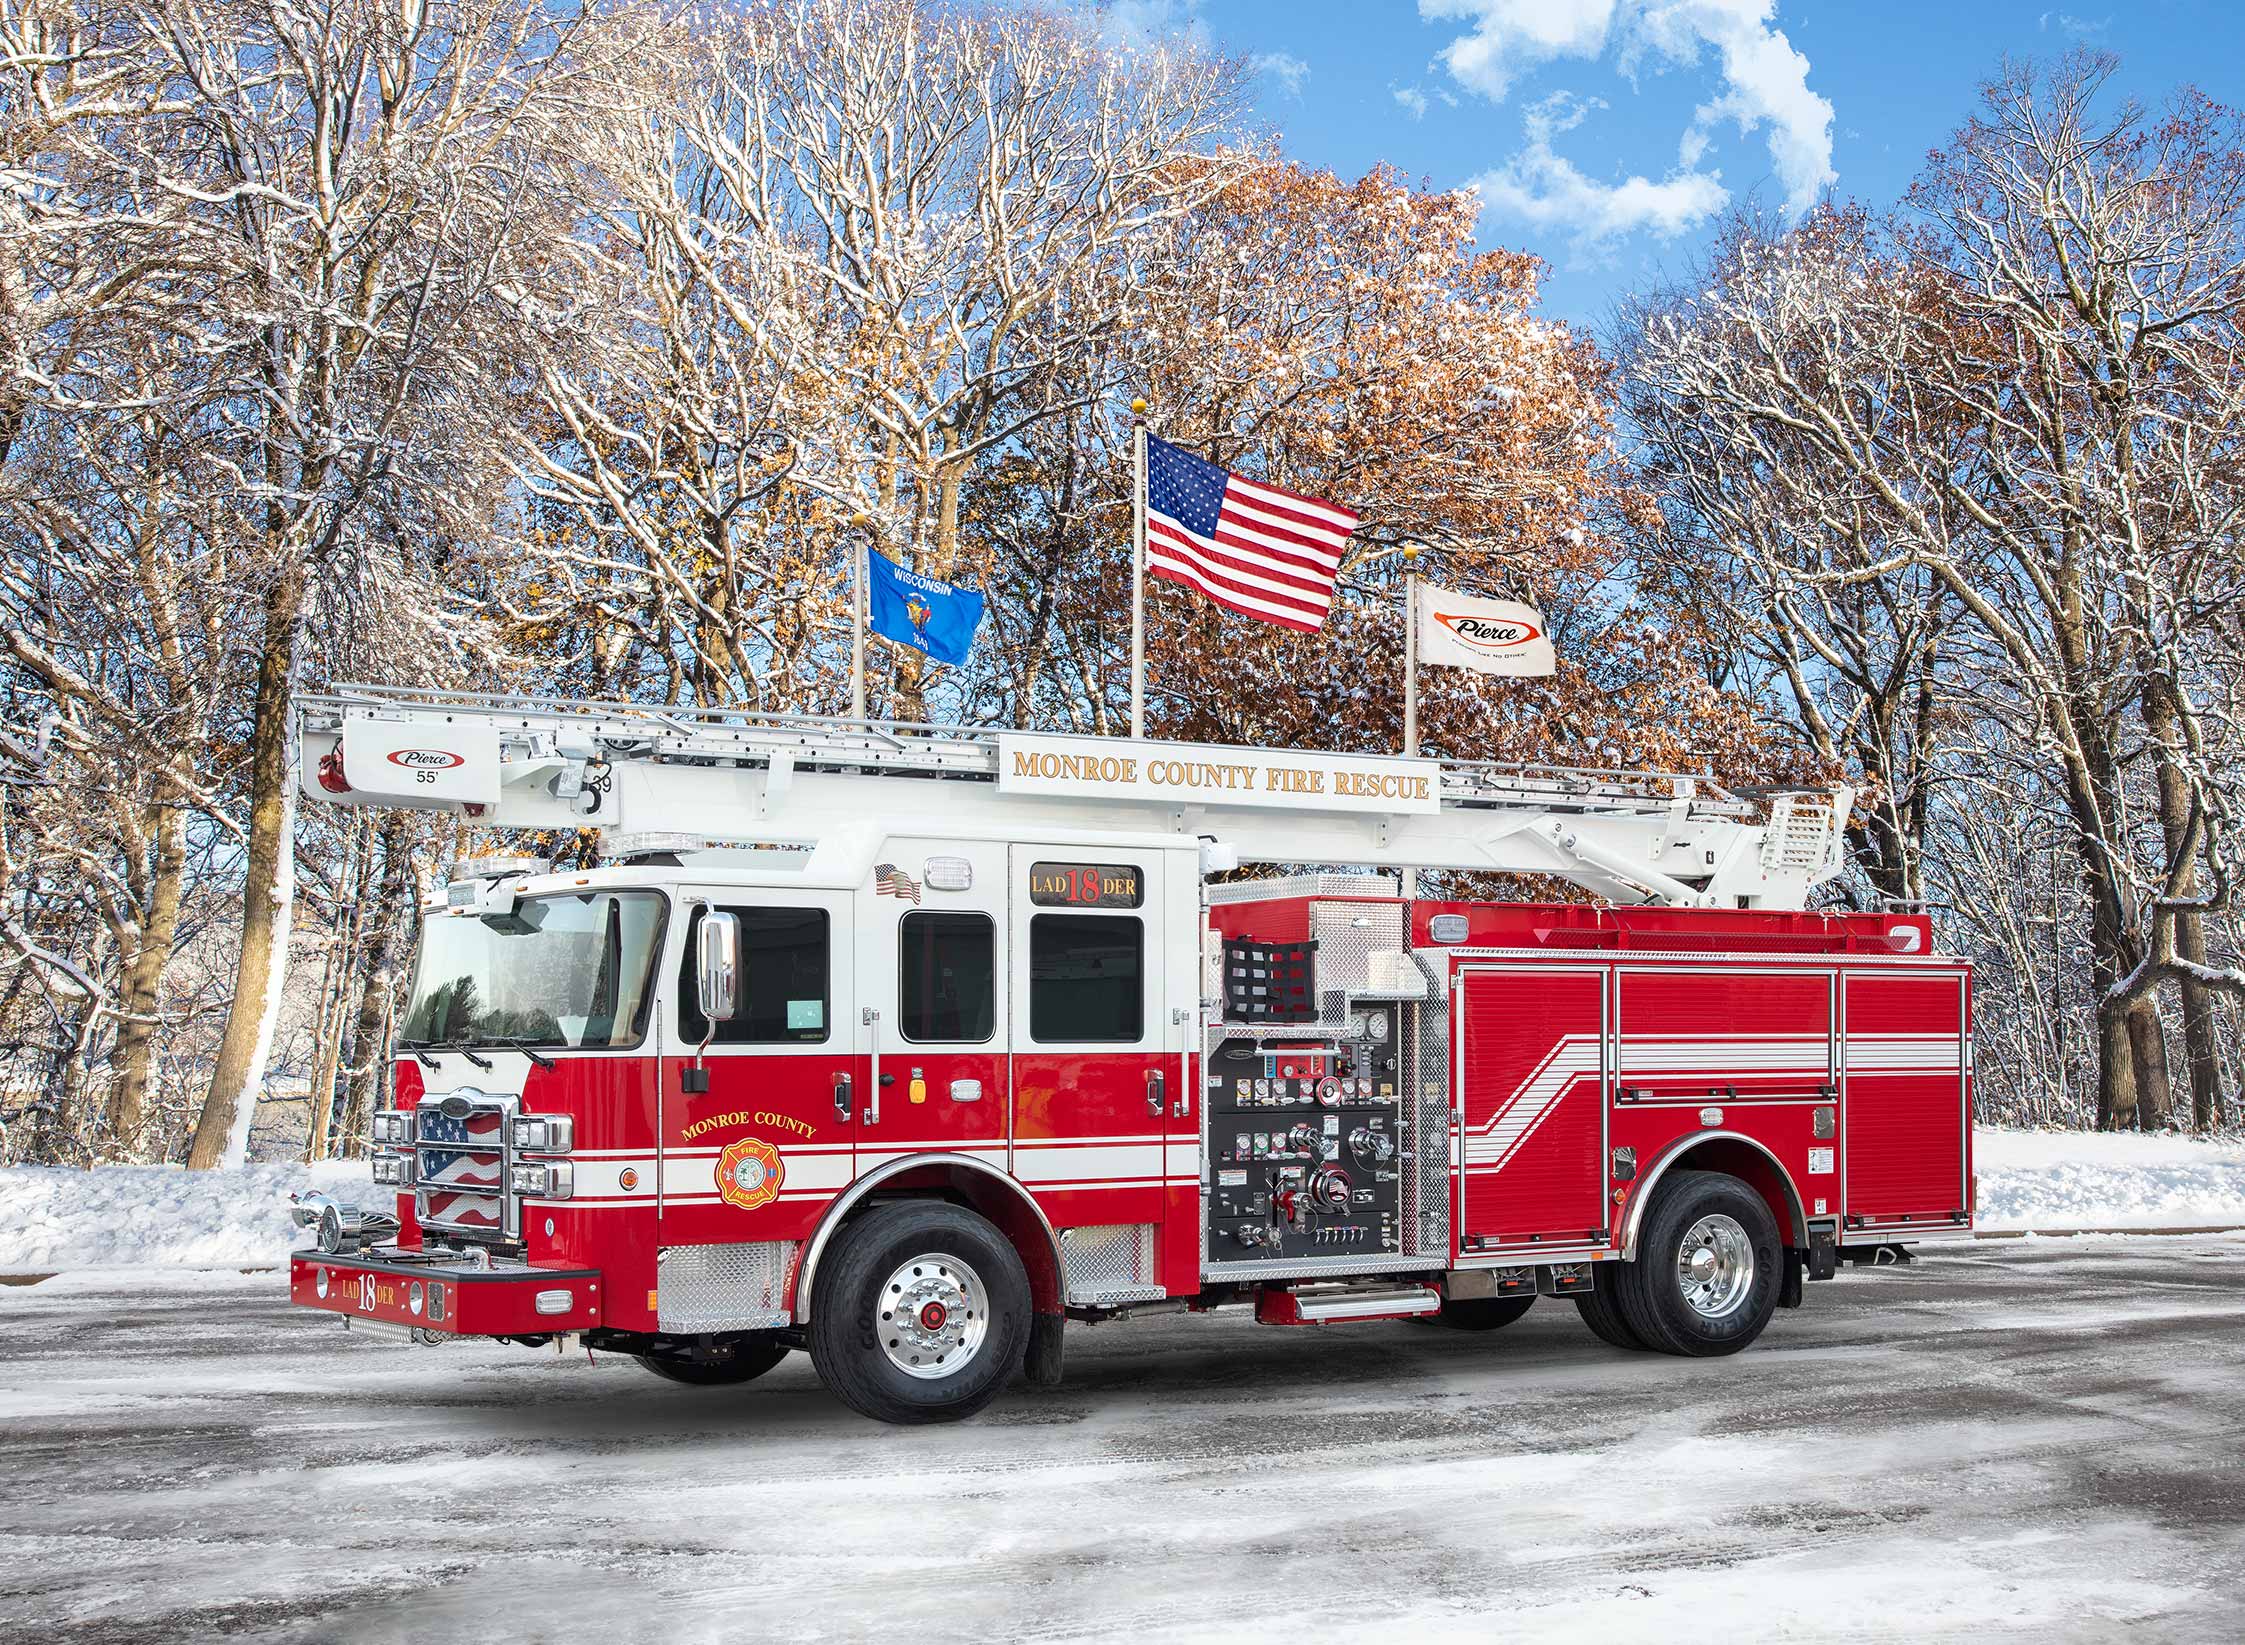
735	776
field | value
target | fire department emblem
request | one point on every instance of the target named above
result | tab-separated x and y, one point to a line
749	1173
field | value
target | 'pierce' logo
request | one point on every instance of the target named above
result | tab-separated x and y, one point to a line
1484	635
427	759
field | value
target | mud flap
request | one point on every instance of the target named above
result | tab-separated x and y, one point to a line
1042	1364
1789	1288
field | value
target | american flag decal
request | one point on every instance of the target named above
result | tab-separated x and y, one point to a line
1250	547
892	881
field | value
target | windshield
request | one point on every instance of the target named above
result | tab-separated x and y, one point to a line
572	971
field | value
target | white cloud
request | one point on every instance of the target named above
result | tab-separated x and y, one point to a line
1413	100
2074	28
1764	79
1284	67
1541	187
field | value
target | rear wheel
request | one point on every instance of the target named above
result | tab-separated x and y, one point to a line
1709	1264
921	1314
1483	1313
1600	1312
744	1359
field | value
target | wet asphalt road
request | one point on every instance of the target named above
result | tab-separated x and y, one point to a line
2034	1441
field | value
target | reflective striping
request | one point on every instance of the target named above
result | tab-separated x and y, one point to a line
1092	1163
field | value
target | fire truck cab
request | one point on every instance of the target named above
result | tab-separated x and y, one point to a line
906	1046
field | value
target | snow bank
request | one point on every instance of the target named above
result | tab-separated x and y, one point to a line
136	1215
2088	1179
130	1216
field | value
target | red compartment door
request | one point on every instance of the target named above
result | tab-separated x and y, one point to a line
1908	1125
1531	1049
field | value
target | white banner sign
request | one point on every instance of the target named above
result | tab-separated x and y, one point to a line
1191	774
1490	636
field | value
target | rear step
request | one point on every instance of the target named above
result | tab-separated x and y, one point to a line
1336	1307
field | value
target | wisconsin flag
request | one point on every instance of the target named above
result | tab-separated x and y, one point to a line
921	612
1490	636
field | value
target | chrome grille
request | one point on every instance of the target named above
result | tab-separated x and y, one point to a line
460	1166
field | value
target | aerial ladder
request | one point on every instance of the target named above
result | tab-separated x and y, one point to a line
828	787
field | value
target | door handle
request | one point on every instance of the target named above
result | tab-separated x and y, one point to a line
1157	1091
1184	1103
872	1019
842	1096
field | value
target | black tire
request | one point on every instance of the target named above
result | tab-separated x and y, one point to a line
1603	1316
1483	1313
1650	1292
873	1360
750	1357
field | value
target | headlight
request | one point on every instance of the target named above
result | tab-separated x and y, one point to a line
544	1134
391	1125
393	1170
556	1181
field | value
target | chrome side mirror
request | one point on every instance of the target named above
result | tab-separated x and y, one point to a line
717	966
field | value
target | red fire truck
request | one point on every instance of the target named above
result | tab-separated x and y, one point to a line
906	1045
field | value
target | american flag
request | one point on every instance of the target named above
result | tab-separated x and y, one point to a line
891	881
1250	547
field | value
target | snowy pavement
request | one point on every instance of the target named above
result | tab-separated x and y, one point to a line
2029	1440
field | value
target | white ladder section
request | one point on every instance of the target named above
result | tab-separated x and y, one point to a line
775	779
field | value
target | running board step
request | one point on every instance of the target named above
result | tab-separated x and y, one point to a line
1335	1307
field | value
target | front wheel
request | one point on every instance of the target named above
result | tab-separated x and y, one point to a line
1708	1268
921	1313
742	1360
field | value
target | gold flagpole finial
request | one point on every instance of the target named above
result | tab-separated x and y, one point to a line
1138	408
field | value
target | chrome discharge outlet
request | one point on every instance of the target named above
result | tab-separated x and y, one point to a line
338	1225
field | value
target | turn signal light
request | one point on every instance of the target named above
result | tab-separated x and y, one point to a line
544	1134
391	1125
555	1181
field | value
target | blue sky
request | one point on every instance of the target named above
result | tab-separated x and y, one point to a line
1605	133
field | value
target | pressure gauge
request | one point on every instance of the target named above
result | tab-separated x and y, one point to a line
1378	1023
1359	1025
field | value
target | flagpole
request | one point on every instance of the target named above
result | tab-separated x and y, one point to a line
860	523
1137	569
1410	680
1411	650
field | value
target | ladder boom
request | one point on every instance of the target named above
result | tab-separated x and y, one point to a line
741	777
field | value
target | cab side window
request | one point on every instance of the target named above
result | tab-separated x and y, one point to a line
783	980
1087	978
947	977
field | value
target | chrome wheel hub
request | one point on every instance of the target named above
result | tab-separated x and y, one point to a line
933	1316
1715	1265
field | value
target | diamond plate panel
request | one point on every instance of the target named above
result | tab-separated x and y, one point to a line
1110	1262
723	1287
1307	885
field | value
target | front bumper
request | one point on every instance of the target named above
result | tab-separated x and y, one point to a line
397	1287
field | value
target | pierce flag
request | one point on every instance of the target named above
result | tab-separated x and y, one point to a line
1489	636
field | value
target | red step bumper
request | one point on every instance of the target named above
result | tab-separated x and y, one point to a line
399	1288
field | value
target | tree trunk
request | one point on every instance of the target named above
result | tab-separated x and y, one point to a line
268	894
2201	1041
2116	1076
378	980
133	1058
2147	1045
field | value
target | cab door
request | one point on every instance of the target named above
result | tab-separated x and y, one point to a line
931	948
758	1128
1096	1053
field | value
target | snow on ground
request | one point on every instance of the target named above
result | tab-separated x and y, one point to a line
2089	1179
136	1215
131	1216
